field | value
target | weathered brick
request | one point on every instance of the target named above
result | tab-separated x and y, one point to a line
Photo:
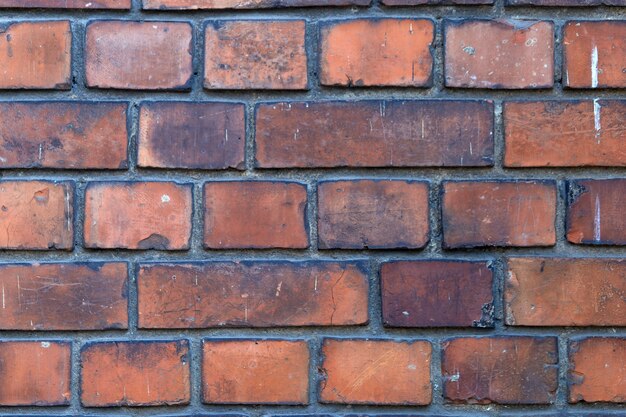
594	54
565	292
595	213
37	215
36	55
64	296
381	372
377	52
499	213
255	372
252	294
436	294
138	55
255	54
510	54
278	220
138	215
75	135
66	4
191	135
245	4
565	133
374	214
374	134
567	3
146	373
503	370
435	2
597	372
35	373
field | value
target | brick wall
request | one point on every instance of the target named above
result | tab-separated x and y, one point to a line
313	207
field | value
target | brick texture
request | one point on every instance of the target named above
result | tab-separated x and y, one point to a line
313	208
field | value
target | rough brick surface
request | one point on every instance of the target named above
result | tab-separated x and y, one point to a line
64	296
36	55
252	294
146	373
377	52
511	54
245	4
156	215
255	55
35	373
353	371
67	4
278	220
75	135
543	133
565	292
594	54
504	370
597	372
191	135
374	134
138	55
37	215
503	213
596	215
436	294
255	372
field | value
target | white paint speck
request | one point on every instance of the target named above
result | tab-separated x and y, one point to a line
280	284
412	367
405	313
596	221
594	67
45	345
596	118
165	198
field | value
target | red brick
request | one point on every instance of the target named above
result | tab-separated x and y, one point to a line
436	294
278	219
565	133
146	373
499	213
597	372
510	54
566	292
594	54
138	55
255	372
252	294
76	135
36	55
36	215
64	296
245	4
35	373
503	370
372	214
138	215
595	214
66	4
191	135
434	2
377	52
567	3
374	134
381	372
255	54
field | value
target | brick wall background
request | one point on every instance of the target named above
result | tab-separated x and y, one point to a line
259	208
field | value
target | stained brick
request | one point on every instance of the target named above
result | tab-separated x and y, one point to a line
377	52
125	373
191	135
503	370
565	133
66	4
36	55
255	372
64	296
245	4
374	134
252	294
436	294
372	214
510	54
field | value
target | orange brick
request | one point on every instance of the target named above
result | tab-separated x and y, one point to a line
376	372
36	55
66	4
255	372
